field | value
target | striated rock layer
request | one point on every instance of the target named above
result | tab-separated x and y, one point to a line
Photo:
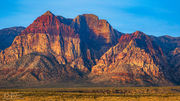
135	60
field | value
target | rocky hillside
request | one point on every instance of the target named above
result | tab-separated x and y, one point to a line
88	49
7	36
36	67
135	60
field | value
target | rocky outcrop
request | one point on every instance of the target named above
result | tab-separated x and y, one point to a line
135	60
97	36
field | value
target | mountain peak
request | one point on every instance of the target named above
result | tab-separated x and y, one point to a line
90	15
48	13
138	33
135	35
46	23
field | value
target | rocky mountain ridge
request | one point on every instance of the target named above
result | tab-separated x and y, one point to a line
86	48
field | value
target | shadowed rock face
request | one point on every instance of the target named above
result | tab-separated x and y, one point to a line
54	48
96	35
7	36
170	47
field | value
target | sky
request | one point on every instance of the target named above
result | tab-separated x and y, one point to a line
153	17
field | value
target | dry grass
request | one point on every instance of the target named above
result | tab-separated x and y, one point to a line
92	94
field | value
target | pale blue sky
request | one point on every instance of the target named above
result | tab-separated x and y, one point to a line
154	17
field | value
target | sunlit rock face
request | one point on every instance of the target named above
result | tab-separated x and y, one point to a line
135	60
71	41
47	35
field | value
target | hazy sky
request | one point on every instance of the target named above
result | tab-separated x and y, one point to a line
154	17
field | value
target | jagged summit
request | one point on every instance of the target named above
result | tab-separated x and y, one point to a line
89	18
48	13
135	35
138	34
88	15
46	23
91	15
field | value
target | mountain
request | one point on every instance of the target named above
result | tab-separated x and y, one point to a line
171	48
7	36
135	60
51	34
70	41
89	50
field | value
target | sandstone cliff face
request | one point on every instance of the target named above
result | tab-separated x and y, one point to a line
7	36
97	29
69	40
134	60
46	35
97	36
